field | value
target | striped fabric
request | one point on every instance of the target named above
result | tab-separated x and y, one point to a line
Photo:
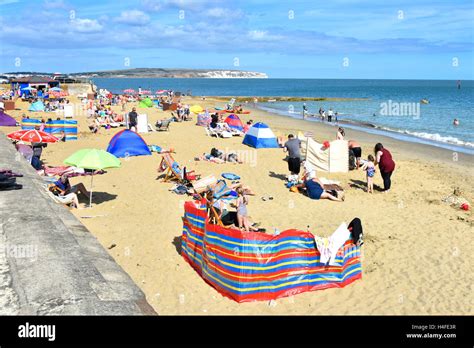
256	266
53	127
260	136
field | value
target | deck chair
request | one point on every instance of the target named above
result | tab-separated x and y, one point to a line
172	170
204	190
212	132
164	125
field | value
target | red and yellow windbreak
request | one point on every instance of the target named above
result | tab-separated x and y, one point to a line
257	266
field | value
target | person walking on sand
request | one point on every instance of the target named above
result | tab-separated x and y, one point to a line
305	110
383	158
292	146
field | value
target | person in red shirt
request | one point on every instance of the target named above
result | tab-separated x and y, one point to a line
383	158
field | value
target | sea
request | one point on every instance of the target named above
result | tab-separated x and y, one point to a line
389	107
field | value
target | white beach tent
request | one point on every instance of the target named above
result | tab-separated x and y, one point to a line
334	159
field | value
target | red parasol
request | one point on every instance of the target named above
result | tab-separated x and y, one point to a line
32	136
129	91
146	92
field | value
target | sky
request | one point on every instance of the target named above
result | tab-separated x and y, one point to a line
402	39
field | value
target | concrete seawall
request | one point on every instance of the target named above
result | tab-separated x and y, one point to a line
50	264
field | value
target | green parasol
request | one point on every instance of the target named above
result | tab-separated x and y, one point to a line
93	159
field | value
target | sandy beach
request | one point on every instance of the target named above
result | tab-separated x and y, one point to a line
417	251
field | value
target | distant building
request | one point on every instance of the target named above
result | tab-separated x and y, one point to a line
38	82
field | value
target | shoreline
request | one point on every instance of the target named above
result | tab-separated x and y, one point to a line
412	150
371	128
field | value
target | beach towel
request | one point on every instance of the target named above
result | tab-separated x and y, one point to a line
328	247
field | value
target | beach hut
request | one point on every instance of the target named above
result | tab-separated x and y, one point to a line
6	120
146	103
37	106
332	159
233	121
128	143
260	136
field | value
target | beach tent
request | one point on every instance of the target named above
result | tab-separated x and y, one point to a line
6	120
146	103
36	106
260	136
53	127
333	159
234	121
203	120
128	143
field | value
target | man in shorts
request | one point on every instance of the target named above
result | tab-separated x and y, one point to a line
292	146
357	150
132	119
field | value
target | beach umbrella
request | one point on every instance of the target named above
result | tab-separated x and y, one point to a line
92	159
147	92
29	88
129	91
32	136
196	109
161	91
55	89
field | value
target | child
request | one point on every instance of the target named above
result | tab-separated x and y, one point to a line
242	215
369	167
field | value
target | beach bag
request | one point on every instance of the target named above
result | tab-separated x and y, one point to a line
357	233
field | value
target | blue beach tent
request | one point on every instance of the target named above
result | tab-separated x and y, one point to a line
260	136
128	143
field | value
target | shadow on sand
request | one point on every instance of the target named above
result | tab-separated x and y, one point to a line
359	184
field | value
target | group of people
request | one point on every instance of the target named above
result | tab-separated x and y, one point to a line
314	187
323	115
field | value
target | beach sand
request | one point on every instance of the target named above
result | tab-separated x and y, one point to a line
417	256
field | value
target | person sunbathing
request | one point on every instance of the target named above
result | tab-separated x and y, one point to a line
65	187
314	187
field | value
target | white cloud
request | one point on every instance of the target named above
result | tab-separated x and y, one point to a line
86	25
133	17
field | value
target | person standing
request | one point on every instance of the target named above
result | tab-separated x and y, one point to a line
305	110
383	158
292	146
133	119
357	150
330	114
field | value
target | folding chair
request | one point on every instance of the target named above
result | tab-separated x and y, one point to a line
164	126
172	170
